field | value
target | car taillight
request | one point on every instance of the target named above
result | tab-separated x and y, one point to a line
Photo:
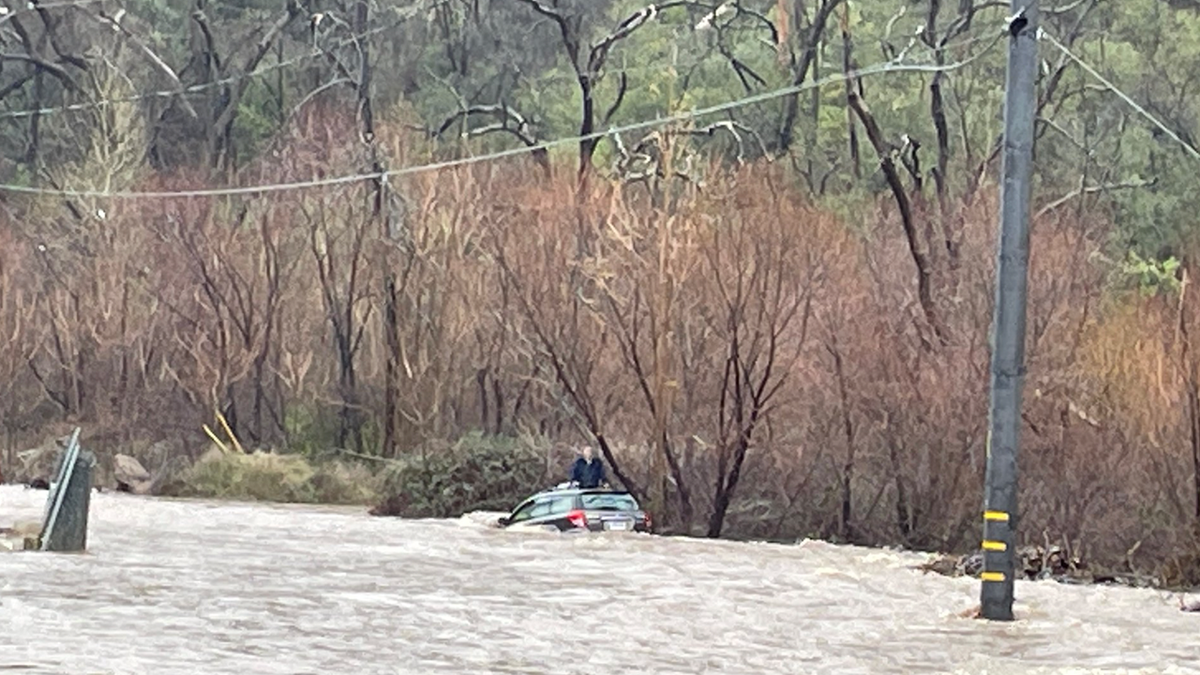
578	518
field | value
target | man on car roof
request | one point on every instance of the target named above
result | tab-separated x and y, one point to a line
588	470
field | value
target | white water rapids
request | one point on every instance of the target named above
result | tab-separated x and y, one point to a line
199	587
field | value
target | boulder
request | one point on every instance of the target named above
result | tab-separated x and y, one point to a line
147	469
130	475
37	465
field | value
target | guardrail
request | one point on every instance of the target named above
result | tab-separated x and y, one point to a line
65	521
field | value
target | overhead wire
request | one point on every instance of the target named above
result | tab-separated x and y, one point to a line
1188	147
287	63
837	78
263	70
204	86
315	54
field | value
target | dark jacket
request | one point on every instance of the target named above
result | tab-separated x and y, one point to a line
588	475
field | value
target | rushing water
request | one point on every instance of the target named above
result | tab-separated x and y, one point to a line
197	587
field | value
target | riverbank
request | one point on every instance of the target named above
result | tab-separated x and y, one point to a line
488	474
161	469
290	586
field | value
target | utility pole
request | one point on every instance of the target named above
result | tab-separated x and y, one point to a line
1008	321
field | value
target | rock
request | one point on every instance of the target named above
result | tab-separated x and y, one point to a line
153	469
38	464
131	476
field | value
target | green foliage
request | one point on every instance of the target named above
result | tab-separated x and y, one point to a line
257	120
1152	276
265	476
456	55
312	431
478	473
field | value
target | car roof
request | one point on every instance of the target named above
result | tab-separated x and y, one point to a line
557	492
570	492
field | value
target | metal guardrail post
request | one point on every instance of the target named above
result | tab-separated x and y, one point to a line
53	499
69	503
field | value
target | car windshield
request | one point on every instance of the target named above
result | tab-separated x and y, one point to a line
609	502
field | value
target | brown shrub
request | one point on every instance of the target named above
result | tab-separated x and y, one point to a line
748	363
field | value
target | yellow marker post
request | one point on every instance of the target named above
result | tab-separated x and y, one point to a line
229	432
224	450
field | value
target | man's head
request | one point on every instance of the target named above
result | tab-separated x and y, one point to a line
588	453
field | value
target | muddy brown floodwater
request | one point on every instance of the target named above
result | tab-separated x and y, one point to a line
199	587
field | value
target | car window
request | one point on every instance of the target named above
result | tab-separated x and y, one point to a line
609	502
543	506
523	512
540	508
561	505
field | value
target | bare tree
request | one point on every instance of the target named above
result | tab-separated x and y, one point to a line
588	61
762	279
227	79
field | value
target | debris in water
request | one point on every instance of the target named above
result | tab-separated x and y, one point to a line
975	612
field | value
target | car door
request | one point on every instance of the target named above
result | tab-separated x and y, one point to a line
551	511
559	507
533	513
522	513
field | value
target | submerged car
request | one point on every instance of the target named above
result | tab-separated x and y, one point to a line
573	509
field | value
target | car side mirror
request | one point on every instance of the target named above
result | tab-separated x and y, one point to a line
503	521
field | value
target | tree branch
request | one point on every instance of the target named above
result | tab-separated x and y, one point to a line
786	130
886	163
151	56
504	114
1091	190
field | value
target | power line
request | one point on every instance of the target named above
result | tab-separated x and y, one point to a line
1191	150
198	88
265	70
883	68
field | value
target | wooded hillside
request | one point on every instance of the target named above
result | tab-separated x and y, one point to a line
771	318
